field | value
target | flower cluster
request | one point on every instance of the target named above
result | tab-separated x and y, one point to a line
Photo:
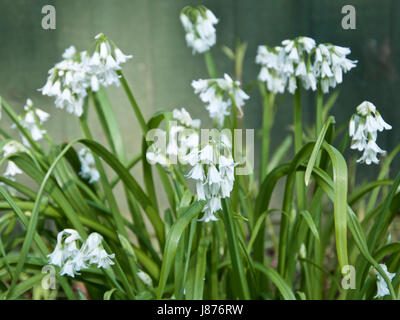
183	139
382	288
199	24
32	120
284	67
218	95
70	79
213	171
88	166
212	165
72	259
12	169
363	128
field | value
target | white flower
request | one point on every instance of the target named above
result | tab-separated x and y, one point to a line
120	57
370	153
213	175
156	158
220	176
382	288
184	118
70	79
381	124
56	257
198	24
65	248
363	128
88	166
200	190
197	173
366	107
70	243
218	93
32	119
72	259
11	147
95	253
172	147
308	43
208	215
12	169
280	66
207	154
100	257
145	278
191	158
69	52
69	269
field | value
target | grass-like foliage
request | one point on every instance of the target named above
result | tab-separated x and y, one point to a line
217	236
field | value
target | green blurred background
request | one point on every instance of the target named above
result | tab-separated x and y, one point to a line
163	67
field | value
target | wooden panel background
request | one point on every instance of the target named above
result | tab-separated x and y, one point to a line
162	68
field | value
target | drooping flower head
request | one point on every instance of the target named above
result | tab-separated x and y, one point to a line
214	175
198	23
32	120
218	95
72	255
183	138
10	148
330	63
363	129
301	61
70	79
382	287
94	252
88	166
66	247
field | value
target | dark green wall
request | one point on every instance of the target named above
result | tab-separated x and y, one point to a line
163	67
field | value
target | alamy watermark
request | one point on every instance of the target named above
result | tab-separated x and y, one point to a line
49	20
49	280
349	20
349	277
238	141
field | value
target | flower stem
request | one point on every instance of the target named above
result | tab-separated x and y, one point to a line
233	244
268	116
210	64
133	102
298	142
319	117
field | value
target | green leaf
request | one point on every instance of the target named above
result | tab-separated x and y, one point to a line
199	275
108	294
310	222
339	202
233	246
172	243
317	148
26	285
279	282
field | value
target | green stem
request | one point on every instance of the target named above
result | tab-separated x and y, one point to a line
268	115
210	65
319	115
233	243
133	102
318	250
14	117
298	142
119	223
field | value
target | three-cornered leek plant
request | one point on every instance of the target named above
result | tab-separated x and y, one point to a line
297	227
